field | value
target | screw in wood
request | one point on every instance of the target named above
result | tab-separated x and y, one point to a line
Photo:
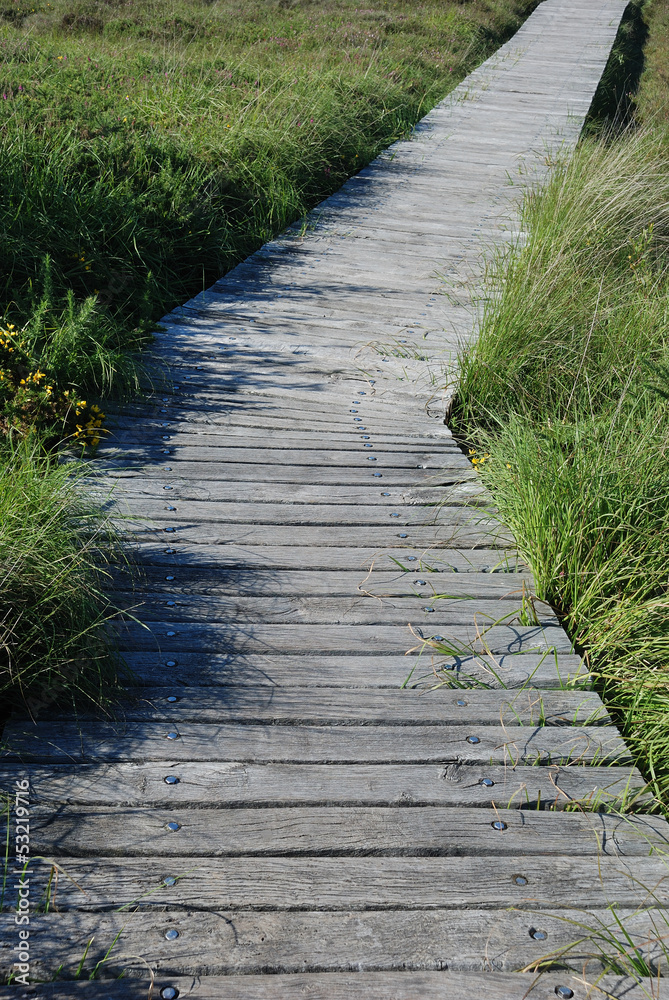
171	934
171	779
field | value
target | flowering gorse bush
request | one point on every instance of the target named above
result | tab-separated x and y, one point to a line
32	403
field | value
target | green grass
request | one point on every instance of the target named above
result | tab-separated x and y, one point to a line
53	547
146	146
564	391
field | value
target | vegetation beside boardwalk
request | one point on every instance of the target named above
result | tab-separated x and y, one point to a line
146	146
567	392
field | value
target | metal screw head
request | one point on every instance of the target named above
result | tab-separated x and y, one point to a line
171	934
538	935
172	698
498	824
171	604
385	494
394	515
166	437
486	782
428	611
167	468
170	552
353	411
421	583
564	992
169	529
163	411
167	487
460	702
368	446
171	663
403	535
411	558
170	880
365	437
519	880
378	475
170	633
473	739
173	827
358	420
166	451
169	577
169	993
172	736
171	779
371	458
438	638
170	508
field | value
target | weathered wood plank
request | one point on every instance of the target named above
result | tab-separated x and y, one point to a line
345	986
377	831
175	638
358	883
341	706
235	784
516	670
512	745
190	576
234	943
326	561
360	609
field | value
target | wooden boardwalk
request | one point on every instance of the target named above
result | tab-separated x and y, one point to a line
326	784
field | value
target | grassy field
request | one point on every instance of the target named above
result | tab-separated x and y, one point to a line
146	146
567	391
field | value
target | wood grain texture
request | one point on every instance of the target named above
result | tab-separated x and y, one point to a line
257	670
347	986
242	942
332	883
235	784
511	745
432	831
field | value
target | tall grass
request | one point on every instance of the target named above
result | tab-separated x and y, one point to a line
561	390
53	546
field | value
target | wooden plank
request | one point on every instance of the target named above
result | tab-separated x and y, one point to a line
417	459
356	883
235	943
515	670
374	831
189	576
345	986
175	637
355	610
235	784
327	561
342	706
512	745
146	482
435	538
305	474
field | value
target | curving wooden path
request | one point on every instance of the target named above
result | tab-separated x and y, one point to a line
326	785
